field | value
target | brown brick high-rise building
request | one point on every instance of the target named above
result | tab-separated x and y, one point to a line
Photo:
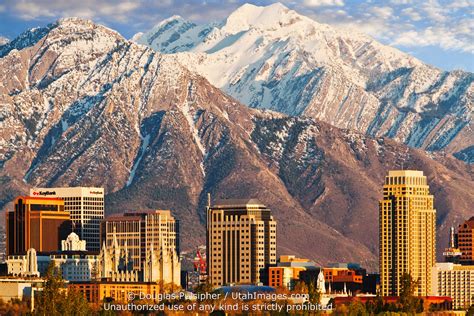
466	241
241	241
36	222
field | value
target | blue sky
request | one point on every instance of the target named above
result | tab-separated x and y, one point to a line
439	32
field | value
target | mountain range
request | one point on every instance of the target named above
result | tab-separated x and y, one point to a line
274	58
81	105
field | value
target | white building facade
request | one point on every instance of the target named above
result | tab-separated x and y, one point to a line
24	265
86	206
75	262
455	281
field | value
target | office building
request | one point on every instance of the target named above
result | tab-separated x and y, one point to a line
455	281
241	242
287	272
36	222
407	222
86	206
145	241
465	239
75	262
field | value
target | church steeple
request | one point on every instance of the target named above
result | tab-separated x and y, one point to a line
115	251
321	282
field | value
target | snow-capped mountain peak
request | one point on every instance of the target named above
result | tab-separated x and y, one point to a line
251	16
83	106
275	58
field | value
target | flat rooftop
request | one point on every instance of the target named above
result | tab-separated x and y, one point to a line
238	203
405	173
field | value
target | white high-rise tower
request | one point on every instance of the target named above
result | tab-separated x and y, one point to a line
86	207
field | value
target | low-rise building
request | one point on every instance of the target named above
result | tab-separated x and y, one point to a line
455	281
287	272
121	292
18	288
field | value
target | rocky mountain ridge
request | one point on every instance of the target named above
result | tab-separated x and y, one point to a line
272	57
83	106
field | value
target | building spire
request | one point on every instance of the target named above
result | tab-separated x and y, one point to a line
321	282
451	237
115	242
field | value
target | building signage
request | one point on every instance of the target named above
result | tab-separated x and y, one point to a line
44	193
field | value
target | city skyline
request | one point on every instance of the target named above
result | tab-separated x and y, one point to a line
133	214
305	154
157	129
241	250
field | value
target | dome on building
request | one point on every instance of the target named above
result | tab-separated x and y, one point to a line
73	243
72	237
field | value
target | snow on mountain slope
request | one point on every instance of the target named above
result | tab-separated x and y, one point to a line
80	105
3	40
272	57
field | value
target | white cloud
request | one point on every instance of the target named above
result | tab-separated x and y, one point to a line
434	36
405	23
34	9
400	2
434	10
322	3
409	24
459	4
382	12
31	10
412	14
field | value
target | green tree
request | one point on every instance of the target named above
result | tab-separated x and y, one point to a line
301	288
205	287
313	293
356	308
55	300
470	311
14	307
50	299
76	304
410	303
